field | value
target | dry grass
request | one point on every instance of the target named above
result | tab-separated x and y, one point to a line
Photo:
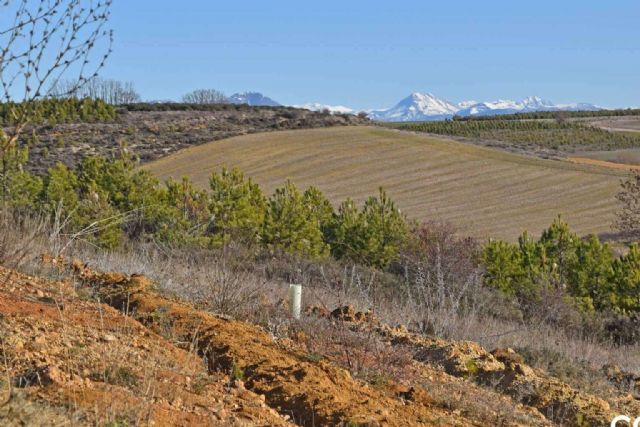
229	285
485	192
624	158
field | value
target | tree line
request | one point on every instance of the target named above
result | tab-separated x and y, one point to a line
551	134
54	111
108	202
554	115
586	269
113	92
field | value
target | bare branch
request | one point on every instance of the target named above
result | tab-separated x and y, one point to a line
205	96
43	40
110	91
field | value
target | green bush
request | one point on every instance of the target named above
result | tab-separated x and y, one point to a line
56	111
292	224
105	201
236	205
18	188
371	236
586	269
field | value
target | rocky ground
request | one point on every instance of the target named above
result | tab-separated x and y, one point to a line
108	349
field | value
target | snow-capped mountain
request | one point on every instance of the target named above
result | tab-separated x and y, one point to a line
253	99
490	108
536	103
466	103
426	107
527	105
580	106
416	107
336	109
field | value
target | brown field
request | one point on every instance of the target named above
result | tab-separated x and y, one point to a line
620	124
485	192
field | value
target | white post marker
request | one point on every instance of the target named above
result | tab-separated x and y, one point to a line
295	300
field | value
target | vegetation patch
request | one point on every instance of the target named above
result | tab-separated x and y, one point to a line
555	135
57	111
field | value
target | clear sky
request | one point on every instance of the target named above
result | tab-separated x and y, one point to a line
369	54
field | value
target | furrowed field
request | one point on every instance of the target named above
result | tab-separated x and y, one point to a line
488	193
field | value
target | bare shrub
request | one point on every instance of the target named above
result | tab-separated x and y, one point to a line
40	42
222	289
108	90
359	350
441	279
20	239
205	97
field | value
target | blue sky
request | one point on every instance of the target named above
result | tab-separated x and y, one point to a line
369	54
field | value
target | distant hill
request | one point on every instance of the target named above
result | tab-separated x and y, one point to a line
430	178
254	99
171	127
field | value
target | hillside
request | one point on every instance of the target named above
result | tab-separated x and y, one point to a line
488	193
151	131
137	359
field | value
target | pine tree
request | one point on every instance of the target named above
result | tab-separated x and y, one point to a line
291	224
373	235
237	206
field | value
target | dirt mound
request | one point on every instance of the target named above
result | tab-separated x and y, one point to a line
313	393
77	362
504	370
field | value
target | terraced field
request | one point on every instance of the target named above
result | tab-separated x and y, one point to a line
487	193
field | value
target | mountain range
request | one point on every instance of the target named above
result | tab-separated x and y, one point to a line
426	107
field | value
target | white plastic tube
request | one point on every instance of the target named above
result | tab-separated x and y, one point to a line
295	300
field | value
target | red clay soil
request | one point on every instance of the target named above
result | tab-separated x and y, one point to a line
314	393
68	361
502	369
138	358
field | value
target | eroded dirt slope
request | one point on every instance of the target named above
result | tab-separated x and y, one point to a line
75	362
145	359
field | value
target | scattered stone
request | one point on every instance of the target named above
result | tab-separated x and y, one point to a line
109	338
56	375
416	394
507	356
314	310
